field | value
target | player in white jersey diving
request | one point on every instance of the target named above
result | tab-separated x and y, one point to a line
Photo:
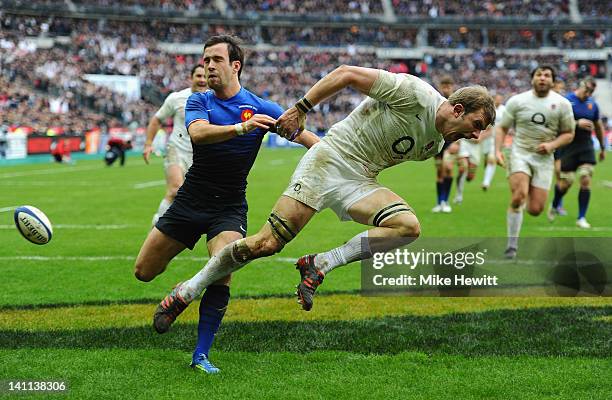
179	153
487	143
543	121
403	118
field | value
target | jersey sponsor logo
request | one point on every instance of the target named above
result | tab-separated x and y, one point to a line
246	114
538	118
402	146
590	106
553	106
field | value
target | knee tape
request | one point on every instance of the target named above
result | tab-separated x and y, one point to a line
389	211
569	177
281	228
584	170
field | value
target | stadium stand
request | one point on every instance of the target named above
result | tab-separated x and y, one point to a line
44	58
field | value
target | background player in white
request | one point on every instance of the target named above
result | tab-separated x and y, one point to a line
444	168
403	118
487	143
543	121
468	159
179	153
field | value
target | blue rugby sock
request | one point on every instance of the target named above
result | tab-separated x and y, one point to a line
439	191
212	309
558	199
446	185
584	195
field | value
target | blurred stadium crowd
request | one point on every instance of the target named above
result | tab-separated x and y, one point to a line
45	86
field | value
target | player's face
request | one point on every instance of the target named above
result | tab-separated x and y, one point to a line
198	80
468	126
584	92
542	82
219	70
499	100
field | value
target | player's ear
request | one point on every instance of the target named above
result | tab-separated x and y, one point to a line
458	110
236	65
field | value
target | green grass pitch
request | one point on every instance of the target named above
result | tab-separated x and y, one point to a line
72	310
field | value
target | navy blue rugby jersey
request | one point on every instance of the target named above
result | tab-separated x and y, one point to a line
220	170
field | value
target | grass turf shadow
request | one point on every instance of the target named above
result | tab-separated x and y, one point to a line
563	331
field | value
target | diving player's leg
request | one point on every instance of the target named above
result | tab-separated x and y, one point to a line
391	218
286	219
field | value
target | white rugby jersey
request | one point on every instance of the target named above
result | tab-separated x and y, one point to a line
396	123
499	113
536	119
174	106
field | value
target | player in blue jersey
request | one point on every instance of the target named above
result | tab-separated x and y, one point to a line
578	157
226	126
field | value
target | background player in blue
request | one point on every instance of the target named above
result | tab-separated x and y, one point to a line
226	126
578	157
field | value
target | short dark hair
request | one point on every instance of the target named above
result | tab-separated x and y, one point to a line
233	48
193	70
543	68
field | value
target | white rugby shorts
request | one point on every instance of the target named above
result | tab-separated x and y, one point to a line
325	179
175	156
539	167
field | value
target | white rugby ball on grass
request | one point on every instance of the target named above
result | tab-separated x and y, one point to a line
33	224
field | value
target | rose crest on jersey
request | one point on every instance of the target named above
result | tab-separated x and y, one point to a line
246	114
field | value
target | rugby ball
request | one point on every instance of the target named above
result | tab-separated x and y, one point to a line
33	224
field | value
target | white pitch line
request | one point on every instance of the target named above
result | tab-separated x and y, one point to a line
46	171
572	229
144	185
115	258
5	209
94	227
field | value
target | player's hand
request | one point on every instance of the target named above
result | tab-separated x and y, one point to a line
584	123
545	148
146	153
291	123
262	121
602	155
501	160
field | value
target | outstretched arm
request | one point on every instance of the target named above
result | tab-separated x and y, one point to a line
202	132
362	79
307	139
